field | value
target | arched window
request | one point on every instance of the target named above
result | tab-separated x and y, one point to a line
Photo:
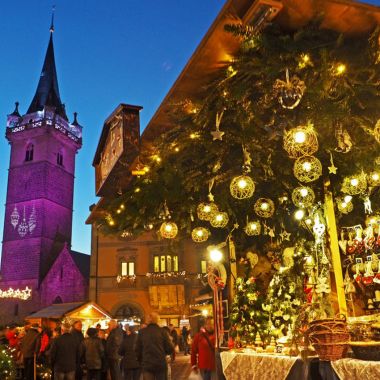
57	299
60	158
29	152
128	311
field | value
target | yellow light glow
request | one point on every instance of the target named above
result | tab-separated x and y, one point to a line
219	217
306	58
354	182
264	206
347	198
118	211
343	205
200	233
176	149
168	227
308	221
340	69
122	206
157	158
304	192
299	214
111	223
306	166
375	176
205	313
216	255
137	190
193	135
253	226
150	226
242	184
22	294
146	169
300	137
207	208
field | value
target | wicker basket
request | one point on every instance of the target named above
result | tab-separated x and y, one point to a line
366	350
329	337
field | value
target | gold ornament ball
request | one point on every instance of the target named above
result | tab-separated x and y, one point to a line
242	187
354	185
168	230
303	196
307	169
374	179
301	141
206	211
253	228
200	234
264	207
345	206
219	220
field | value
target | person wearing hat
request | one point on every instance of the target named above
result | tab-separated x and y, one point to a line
29	347
92	351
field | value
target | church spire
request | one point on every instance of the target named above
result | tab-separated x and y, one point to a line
47	93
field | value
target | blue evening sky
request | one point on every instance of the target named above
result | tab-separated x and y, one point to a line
107	52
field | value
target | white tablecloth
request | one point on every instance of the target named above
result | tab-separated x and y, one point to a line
354	369
253	366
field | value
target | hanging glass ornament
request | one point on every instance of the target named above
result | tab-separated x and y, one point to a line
303	196
290	91
206	211
242	187
32	223
344	204
168	230
301	141
376	131
200	234
354	185
253	228
264	207
23	226
374	179
219	220
15	217
307	169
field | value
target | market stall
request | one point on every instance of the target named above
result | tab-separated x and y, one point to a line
88	312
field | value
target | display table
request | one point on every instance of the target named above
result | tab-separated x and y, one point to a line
254	366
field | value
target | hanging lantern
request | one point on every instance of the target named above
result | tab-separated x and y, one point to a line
307	169
15	217
32	223
264	207
219	220
200	234
253	228
206	211
301	141
374	179
303	196
344	204
168	230
242	187
354	185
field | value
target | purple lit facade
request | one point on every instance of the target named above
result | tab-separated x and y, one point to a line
39	205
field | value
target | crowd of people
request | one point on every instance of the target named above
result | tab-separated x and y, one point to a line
112	354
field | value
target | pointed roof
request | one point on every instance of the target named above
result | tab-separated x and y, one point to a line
47	93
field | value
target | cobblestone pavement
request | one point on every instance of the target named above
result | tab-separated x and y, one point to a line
181	368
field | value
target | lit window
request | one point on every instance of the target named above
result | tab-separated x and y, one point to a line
127	268
165	263
29	152
203	266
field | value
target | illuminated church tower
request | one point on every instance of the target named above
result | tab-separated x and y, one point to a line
36	250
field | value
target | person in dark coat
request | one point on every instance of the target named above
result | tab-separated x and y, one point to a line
64	355
174	336
76	332
185	339
102	337
92	351
29	347
130	363
152	346
113	343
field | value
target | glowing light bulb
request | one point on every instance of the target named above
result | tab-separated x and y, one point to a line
118	211
242	183
375	176
111	223
122	206
219	217
253	226
306	166
347	198
264	206
193	135
200	233
137	190
340	69
207	208
308	221
146	169
205	313
306	58
176	149
168	227
304	192
299	214
354	182
343	205
216	255
300	137
150	226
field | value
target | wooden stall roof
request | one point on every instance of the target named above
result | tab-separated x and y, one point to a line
218	47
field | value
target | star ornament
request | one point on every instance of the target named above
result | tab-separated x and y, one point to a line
284	235
217	135
332	169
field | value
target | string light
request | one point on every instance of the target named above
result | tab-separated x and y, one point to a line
299	214
340	69
22	294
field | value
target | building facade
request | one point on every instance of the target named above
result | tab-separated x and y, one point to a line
36	254
132	277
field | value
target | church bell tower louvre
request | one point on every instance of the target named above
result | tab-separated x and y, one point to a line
39	202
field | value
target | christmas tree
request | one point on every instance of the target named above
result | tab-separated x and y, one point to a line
7	365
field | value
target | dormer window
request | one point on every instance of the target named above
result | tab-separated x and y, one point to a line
29	153
60	158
